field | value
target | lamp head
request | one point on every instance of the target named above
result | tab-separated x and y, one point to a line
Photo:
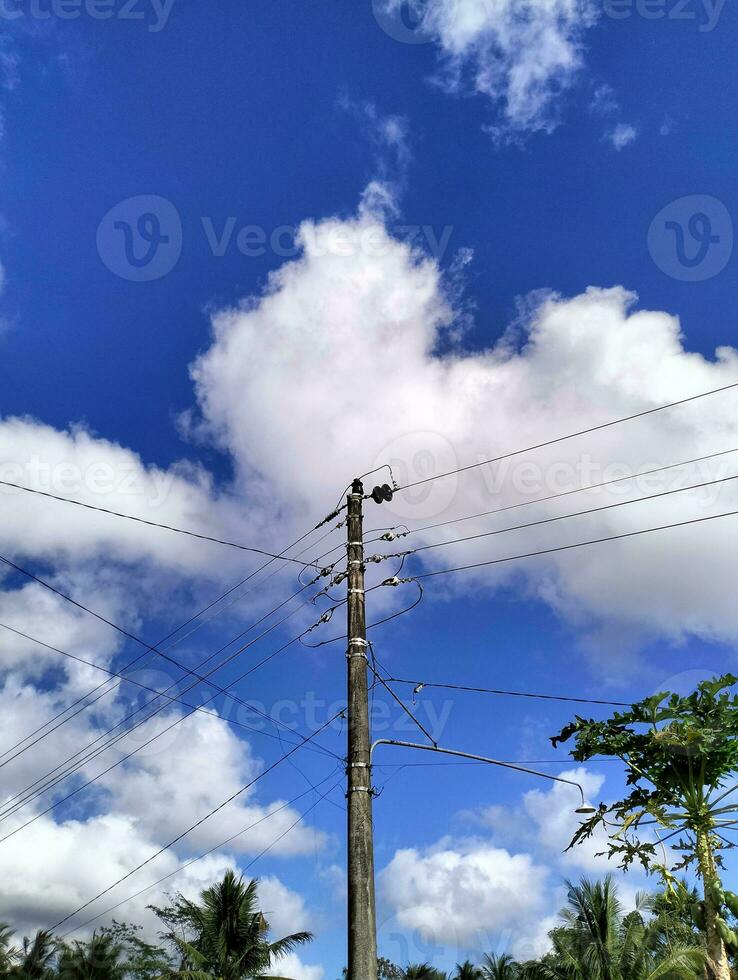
586	810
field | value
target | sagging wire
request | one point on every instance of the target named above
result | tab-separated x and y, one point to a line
373	667
393	582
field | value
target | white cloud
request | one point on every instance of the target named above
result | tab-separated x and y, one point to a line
457	893
54	868
284	909
93	470
337	366
556	822
292	966
623	135
359	313
520	54
475	893
187	774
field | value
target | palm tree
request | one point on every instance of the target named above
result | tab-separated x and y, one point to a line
35	961
597	942
423	971
7	952
467	971
99	959
500	968
226	935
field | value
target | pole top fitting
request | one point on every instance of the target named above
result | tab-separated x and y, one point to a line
357	487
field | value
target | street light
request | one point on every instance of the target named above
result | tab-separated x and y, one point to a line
585	809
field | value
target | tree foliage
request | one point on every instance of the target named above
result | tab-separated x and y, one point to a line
680	755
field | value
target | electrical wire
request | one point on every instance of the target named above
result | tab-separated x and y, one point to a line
401	703
145	687
171	686
129	731
33	793
563	517
420	685
115	626
578	544
385	683
515	762
197	824
571	435
217	847
141	520
136	660
550	497
380	622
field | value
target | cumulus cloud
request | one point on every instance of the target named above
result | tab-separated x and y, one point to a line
462	892
291	965
475	893
201	763
54	868
360	312
78	464
352	357
553	815
520	54
285	909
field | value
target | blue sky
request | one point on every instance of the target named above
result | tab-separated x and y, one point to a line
238	393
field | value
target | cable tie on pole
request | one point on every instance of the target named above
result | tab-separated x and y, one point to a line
358	642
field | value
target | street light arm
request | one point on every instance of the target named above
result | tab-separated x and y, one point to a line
482	758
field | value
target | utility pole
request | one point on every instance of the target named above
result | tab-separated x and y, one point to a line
362	922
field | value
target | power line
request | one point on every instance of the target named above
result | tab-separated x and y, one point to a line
420	685
119	629
142	520
553	496
31	795
578	544
198	823
171	686
564	517
401	703
173	633
173	700
217	847
76	766
571	435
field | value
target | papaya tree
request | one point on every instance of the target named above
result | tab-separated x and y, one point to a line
681	759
